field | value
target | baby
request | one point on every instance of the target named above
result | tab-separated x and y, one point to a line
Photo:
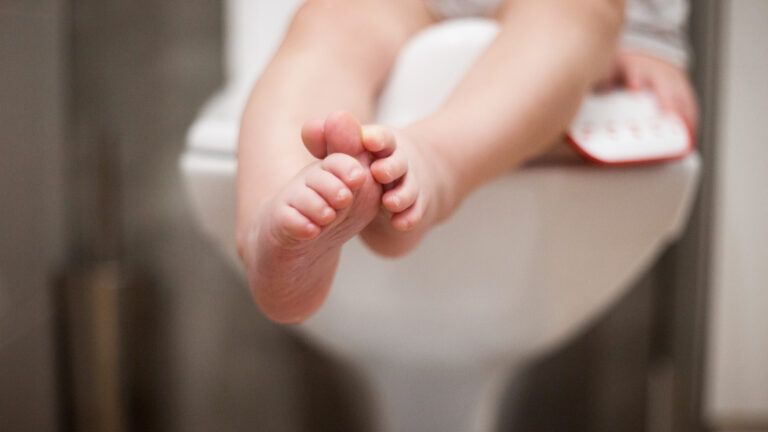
299	202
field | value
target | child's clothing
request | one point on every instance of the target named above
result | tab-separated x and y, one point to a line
657	27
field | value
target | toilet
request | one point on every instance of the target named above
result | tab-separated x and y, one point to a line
528	260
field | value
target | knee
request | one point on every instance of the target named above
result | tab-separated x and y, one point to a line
318	15
608	15
604	17
347	25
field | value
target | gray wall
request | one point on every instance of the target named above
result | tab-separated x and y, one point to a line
738	378
198	355
32	121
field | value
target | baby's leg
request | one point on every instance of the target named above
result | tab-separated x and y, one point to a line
514	102
295	212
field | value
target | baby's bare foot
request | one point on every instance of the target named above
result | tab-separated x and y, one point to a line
294	252
415	196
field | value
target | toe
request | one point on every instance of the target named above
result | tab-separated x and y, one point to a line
292	225
389	169
406	220
343	134
312	205
313	136
346	168
401	197
379	140
329	187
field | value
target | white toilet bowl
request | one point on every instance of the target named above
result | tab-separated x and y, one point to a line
528	259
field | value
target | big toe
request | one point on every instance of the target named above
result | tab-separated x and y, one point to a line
343	134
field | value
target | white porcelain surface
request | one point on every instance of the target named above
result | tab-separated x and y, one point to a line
253	32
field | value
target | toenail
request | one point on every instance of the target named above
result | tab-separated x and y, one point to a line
342	195
395	201
355	173
327	212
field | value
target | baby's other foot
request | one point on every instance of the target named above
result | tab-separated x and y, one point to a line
295	249
416	191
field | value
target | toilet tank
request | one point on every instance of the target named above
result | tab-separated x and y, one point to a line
253	31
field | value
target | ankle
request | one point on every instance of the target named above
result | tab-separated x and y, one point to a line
448	192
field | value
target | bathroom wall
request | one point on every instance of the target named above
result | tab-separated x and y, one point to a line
737	375
198	356
32	66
